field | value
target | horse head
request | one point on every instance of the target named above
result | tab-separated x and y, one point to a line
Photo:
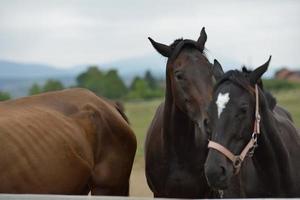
233	123
189	80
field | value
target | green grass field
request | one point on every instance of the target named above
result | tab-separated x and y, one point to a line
141	113
290	100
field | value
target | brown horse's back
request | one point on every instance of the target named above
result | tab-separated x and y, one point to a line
43	151
51	143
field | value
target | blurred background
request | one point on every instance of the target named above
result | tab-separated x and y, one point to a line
102	45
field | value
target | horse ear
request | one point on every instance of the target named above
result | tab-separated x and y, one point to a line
163	49
217	70
258	72
202	39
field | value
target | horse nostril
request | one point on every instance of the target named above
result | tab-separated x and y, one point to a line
223	171
215	175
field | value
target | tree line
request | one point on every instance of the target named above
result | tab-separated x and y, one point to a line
110	85
105	83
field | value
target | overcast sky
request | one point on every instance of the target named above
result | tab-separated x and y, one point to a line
65	33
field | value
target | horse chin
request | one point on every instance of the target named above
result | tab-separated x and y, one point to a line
219	185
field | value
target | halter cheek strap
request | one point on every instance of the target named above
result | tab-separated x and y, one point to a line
249	148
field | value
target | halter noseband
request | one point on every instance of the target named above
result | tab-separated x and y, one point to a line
249	148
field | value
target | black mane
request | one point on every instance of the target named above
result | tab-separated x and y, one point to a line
176	42
241	79
237	77
180	44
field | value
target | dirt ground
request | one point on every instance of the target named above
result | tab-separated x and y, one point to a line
138	183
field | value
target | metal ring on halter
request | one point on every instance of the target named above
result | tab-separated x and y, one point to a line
237	162
254	136
252	150
258	117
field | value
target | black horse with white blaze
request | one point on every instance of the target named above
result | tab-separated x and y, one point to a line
249	140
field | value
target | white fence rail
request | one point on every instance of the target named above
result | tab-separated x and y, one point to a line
63	197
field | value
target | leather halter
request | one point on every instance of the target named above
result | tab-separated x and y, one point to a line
249	148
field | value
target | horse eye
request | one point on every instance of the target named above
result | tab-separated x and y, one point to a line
244	108
242	111
179	75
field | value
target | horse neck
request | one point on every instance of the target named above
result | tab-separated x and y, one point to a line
271	157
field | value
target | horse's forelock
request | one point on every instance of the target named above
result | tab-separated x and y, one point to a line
176	42
237	77
180	44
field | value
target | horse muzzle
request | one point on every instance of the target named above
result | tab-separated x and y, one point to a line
216	172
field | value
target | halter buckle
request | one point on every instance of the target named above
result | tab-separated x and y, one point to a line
258	117
237	162
254	138
252	150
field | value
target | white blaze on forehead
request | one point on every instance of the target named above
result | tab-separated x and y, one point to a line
221	102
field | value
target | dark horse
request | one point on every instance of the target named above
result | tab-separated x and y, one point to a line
250	140
176	148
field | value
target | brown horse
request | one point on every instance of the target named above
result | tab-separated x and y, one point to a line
176	147
66	142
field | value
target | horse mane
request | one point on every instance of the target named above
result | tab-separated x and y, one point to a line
270	98
176	47
176	42
241	79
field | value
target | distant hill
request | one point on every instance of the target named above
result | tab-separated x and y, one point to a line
16	78
138	65
130	67
19	87
10	69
